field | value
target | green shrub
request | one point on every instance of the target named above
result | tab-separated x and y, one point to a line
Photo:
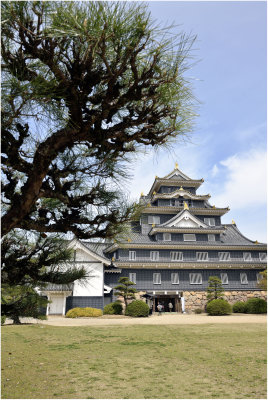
137	309
255	306
83	312
198	311
113	308
239	307
3	319
219	307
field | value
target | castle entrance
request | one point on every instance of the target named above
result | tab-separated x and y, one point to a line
165	299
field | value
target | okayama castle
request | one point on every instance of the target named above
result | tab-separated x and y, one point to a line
170	254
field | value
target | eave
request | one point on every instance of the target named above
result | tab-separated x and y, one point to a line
155	230
184	246
176	182
189	265
175	210
180	192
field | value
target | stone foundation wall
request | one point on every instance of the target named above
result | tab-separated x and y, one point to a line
195	300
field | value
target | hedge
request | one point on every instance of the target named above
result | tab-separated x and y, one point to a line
239	307
83	312
137	309
219	307
113	308
255	306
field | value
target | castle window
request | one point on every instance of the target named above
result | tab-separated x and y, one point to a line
259	277
132	277
132	255
189	237
224	256
247	256
153	219
154	255
175	278
209	221
263	256
202	256
224	278
243	278
157	278
211	238
195	279
176	256
167	237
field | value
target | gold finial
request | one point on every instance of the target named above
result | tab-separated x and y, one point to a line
142	194
113	259
156	176
149	204
129	240
213	206
233	222
154	192
185	206
153	225
256	242
176	166
181	188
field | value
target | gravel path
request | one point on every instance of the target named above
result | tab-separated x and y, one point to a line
164	319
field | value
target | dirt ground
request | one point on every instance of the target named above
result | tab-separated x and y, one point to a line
164	319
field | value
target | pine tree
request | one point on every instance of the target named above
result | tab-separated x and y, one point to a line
125	290
85	86
214	289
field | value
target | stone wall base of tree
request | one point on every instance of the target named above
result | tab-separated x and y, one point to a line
194	300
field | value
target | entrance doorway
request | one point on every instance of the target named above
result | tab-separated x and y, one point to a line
164	300
57	305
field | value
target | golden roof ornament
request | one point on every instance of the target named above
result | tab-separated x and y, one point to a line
186	207
154	192
149	204
176	166
256	242
156	177
129	240
153	225
113	258
213	206
233	222
142	194
181	188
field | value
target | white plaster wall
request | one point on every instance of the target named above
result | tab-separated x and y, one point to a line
93	285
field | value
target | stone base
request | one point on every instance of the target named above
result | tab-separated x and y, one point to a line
194	300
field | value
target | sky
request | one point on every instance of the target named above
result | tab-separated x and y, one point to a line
228	146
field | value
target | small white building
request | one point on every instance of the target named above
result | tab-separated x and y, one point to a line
85	293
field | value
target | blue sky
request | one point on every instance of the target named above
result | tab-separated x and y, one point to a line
228	146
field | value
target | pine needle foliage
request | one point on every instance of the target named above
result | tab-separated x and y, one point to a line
125	290
214	289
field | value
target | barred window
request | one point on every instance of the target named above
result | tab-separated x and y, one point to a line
224	278
154	255
157	278
132	255
243	278
211	238
224	256
247	256
132	277
189	237
202	256
167	236
195	279
209	221
176	256
153	219
175	278
263	256
259	277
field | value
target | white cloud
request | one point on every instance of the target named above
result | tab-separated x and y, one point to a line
245	183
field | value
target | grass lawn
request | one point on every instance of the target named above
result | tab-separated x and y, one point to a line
189	361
